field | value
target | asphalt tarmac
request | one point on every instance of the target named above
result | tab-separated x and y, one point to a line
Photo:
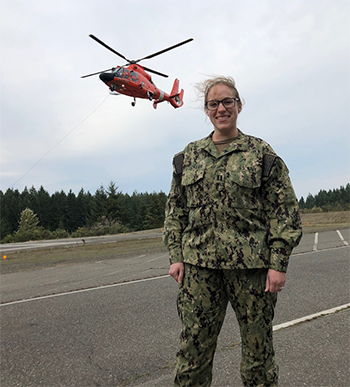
114	323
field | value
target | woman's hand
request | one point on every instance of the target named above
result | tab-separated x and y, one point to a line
275	281
177	271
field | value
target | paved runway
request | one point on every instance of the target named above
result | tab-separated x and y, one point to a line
114	323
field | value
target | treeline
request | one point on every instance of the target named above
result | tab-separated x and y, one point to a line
332	200
35	214
61	215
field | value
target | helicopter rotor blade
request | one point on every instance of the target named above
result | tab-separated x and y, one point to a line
165	50
135	61
109	48
155	72
98	72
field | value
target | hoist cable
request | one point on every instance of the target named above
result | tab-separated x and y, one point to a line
33	166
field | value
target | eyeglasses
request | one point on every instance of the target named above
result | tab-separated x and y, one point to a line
227	102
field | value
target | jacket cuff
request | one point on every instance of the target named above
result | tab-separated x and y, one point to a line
175	256
279	259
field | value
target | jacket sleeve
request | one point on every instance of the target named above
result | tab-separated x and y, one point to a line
282	212
176	219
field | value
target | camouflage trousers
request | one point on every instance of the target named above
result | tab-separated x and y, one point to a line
202	303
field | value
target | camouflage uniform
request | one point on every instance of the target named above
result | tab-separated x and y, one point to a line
230	217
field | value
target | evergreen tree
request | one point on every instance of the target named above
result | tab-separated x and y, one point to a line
27	200
43	208
127	214
28	226
28	221
321	199
144	200
59	210
83	208
310	201
5	227
137	211
109	210
114	203
334	200
155	211
98	206
10	211
71	222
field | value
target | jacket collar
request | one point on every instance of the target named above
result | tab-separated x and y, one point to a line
239	144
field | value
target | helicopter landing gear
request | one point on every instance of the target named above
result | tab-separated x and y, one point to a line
149	95
133	103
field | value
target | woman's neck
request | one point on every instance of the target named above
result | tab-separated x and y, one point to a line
223	135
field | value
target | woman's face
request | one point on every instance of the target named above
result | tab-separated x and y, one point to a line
223	119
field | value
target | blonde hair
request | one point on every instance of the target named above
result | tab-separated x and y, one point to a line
204	87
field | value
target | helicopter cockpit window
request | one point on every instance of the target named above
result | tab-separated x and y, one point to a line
134	76
119	73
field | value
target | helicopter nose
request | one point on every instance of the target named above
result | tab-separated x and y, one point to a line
106	77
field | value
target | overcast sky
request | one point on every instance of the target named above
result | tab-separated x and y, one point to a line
290	60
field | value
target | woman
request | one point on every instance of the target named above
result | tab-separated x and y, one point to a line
231	223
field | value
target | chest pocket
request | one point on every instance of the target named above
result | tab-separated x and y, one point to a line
235	189
195	187
243	187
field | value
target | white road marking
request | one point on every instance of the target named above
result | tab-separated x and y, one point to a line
83	290
44	245
310	317
126	283
275	328
342	238
113	272
318	251
316	242
156	259
132	259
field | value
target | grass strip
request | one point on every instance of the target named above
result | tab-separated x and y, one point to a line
43	258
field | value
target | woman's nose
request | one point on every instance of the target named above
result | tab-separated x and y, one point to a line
221	106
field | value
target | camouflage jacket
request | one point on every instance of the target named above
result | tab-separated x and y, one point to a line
231	210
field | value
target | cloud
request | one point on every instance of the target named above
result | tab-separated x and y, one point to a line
290	61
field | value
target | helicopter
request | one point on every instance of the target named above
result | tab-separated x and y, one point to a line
134	81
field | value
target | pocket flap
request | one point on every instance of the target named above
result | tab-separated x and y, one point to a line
191	176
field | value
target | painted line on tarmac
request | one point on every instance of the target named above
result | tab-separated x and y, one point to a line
131	282
156	259
342	238
114	272
83	290
319	251
316	242
133	259
310	317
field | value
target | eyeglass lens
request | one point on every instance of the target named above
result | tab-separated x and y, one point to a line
227	102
